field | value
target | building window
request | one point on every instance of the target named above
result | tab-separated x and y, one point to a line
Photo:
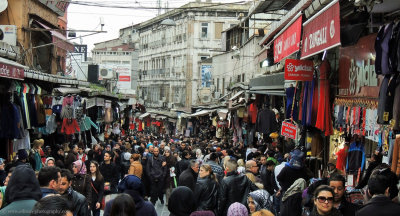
204	30
242	77
218	85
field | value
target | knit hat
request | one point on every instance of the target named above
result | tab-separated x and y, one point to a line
49	158
22	154
237	209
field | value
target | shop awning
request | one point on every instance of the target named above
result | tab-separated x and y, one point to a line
269	92
66	90
160	117
11	69
59	39
32	74
144	115
222	113
202	113
236	95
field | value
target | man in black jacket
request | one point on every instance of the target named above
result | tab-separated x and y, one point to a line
109	172
234	187
156	171
49	180
188	177
380	204
337	182
77	200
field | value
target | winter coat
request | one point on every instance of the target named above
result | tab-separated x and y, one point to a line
97	191
188	178
81	184
234	188
77	201
155	170
206	194
22	192
333	212
379	205
292	205
136	169
110	174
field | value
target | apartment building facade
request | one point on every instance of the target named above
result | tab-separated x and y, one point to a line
170	55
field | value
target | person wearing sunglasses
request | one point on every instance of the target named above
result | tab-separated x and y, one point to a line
323	202
337	183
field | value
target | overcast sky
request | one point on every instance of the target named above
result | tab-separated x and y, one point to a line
82	17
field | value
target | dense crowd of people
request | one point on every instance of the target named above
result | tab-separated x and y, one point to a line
189	175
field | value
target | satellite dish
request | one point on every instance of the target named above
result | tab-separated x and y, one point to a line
3	5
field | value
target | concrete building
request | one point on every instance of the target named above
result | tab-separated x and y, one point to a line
170	55
34	34
120	56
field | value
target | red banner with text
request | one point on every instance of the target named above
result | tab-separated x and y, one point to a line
300	70
288	42
11	71
322	31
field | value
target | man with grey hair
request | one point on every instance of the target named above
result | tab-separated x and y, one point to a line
235	187
188	177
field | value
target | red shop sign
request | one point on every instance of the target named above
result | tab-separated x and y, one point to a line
124	78
289	130
322	31
288	42
300	70
11	71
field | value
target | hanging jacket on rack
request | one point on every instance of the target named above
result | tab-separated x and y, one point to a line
40	111
67	112
396	156
355	157
70	126
86	124
266	122
382	49
9	121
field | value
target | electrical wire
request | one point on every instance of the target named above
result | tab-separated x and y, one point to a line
124	6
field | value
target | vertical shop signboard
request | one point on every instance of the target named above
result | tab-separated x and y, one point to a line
289	130
300	70
289	41
322	31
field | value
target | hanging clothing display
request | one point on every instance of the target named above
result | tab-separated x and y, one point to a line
396	156
266	122
324	122
355	158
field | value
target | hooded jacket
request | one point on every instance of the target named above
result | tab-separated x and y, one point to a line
181	202
22	192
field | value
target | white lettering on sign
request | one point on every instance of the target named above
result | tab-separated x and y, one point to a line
361	75
317	38
290	42
4	71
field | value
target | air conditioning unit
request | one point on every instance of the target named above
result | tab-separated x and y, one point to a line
106	73
8	34
206	99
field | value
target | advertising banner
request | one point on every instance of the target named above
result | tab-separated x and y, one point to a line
206	75
322	31
300	70
288	42
357	77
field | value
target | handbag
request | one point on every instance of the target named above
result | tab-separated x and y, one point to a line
107	187
103	202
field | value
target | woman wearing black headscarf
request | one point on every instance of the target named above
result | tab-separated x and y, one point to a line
181	202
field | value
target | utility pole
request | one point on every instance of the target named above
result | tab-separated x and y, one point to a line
159	7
